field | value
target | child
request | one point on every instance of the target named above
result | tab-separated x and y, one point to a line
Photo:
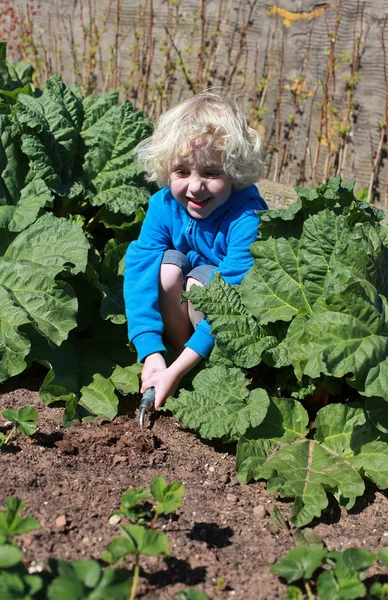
205	158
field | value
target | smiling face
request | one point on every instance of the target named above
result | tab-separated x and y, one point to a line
199	182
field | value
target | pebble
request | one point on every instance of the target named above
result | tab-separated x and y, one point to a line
61	522
384	539
114	520
232	498
259	512
225	479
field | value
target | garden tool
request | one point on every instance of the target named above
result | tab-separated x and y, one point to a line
147	402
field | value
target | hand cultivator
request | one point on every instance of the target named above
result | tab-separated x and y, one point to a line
146	404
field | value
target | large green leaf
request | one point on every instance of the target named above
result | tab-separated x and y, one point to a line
111	283
345	448
304	254
30	291
110	139
347	335
99	397
13	166
56	244
56	120
238	335
289	274
34	197
220	404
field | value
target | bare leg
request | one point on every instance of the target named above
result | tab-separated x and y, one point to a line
195	316
177	325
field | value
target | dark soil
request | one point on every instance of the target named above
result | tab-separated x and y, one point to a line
222	540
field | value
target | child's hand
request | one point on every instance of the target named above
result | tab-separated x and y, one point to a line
165	383
166	380
152	364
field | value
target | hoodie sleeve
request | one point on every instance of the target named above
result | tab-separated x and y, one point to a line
232	268
141	280
238	259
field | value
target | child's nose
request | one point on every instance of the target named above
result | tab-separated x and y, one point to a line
195	184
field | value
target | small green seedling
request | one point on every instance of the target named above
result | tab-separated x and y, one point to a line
168	498
12	524
140	537
342	577
15	581
82	579
24	420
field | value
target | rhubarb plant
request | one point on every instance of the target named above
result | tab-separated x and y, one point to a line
71	199
308	327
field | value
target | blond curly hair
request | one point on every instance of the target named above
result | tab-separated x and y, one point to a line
210	119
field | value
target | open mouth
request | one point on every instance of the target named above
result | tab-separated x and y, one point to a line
199	203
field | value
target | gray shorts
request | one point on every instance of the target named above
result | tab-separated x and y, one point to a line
201	273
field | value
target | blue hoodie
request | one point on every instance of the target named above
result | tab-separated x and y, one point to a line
222	239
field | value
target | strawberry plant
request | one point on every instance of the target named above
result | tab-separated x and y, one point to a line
83	579
24	420
342	576
71	199
299	373
140	537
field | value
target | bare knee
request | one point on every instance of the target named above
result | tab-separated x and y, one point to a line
171	279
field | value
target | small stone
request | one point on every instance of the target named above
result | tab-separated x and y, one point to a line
65	447
259	512
234	481
211	469
114	520
61	522
27	541
35	569
384	539
231	498
225	479
85	541
118	459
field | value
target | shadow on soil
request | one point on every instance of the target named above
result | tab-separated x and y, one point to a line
178	571
213	535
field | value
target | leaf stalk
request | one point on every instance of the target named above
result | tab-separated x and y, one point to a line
135	580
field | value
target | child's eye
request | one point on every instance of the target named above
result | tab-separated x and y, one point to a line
213	173
181	173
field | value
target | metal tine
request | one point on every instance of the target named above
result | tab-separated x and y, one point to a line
147	402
